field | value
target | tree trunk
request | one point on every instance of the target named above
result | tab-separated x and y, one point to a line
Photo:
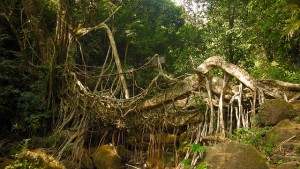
40	32
64	45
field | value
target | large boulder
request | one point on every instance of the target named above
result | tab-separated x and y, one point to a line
233	155
283	131
283	141
289	165
273	111
296	106
106	157
36	159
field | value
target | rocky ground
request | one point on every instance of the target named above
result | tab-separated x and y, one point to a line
273	144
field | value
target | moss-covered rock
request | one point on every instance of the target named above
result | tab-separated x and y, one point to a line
70	164
233	155
277	158
284	139
282	131
296	106
106	157
273	111
289	165
35	159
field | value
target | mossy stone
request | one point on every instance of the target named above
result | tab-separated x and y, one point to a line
282	131
106	157
233	155
289	165
273	111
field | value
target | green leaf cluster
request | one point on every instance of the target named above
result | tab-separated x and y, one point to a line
254	136
23	109
195	148
261	36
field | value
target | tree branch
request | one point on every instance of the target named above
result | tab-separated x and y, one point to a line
231	69
84	31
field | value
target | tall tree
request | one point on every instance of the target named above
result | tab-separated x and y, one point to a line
144	28
246	31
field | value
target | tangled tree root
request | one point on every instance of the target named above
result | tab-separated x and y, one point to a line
219	106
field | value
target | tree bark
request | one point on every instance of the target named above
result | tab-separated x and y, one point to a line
231	69
184	87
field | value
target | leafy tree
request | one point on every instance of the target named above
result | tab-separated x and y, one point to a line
191	49
23	110
252	33
144	28
273	46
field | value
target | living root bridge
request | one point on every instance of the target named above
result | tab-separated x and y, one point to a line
208	105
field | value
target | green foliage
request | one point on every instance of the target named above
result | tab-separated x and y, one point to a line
191	47
297	149
22	92
268	148
292	27
31	112
21	162
279	162
202	166
195	148
254	136
3	38
274	70
51	140
147	28
186	162
262	33
88	13
200	103
47	12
